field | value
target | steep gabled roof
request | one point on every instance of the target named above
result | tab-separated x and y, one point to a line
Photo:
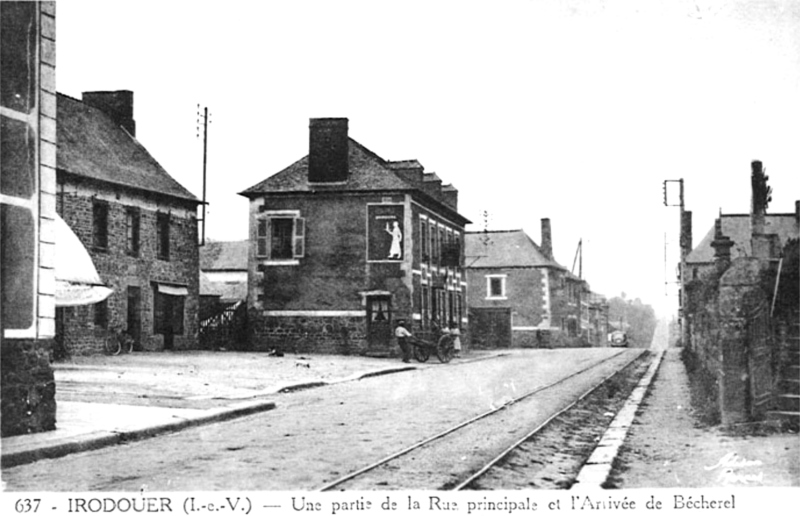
224	256
93	146
738	228
366	172
500	249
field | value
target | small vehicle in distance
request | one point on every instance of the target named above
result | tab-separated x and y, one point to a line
618	339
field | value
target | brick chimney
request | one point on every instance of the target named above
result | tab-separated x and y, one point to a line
118	105
410	171
328	150
547	240
450	196
432	185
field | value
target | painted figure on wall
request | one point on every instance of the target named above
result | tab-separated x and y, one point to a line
395	251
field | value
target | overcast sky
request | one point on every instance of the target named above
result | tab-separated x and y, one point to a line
572	110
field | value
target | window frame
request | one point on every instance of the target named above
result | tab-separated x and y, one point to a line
100	316
163	237
133	230
503	286
100	216
264	235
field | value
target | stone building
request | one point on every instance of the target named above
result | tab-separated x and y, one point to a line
742	310
27	215
519	296
138	223
343	244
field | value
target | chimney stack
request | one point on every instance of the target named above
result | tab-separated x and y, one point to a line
547	240
450	196
328	150
722	248
118	105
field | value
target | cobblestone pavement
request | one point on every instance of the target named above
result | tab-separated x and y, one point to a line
313	435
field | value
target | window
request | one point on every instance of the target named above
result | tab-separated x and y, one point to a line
132	219
280	237
496	287
100	225
441	243
101	314
423	235
162	236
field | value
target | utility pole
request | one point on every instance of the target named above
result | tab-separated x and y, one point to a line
684	249
204	118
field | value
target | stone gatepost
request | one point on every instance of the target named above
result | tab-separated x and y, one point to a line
740	295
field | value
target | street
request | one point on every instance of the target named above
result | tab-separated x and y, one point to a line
314	435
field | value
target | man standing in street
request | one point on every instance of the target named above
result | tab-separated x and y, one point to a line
402	335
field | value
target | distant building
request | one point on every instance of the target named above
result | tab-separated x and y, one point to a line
224	265
138	223
344	243
520	296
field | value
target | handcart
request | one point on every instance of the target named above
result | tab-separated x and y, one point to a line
443	348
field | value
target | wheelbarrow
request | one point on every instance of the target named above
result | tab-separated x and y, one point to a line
443	348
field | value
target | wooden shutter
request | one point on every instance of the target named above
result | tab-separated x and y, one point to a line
262	238
299	237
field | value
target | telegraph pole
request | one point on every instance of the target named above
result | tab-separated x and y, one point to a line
204	118
684	245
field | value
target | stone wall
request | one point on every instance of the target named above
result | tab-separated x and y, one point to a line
298	334
120	270
28	387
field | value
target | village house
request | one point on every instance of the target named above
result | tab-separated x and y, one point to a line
138	224
742	310
520	296
223	266
344	244
223	295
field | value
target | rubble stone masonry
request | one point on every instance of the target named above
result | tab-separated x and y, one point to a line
120	270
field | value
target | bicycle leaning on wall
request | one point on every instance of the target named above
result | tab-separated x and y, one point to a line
117	342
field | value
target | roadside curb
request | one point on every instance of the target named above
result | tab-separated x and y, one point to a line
100	439
597	468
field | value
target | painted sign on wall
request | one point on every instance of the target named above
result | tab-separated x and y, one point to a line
385	232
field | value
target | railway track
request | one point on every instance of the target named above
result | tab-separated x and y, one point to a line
469	454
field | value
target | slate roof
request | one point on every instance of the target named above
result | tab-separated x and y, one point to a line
737	228
367	172
93	146
504	249
224	256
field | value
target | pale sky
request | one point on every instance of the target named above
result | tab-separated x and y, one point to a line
571	110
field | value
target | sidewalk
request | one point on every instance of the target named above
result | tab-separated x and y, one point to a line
667	448
107	400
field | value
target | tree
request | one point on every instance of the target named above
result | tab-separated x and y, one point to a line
634	317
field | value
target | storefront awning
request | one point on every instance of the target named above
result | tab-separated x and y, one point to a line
171	290
77	281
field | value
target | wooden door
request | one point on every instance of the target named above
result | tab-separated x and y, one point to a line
379	321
